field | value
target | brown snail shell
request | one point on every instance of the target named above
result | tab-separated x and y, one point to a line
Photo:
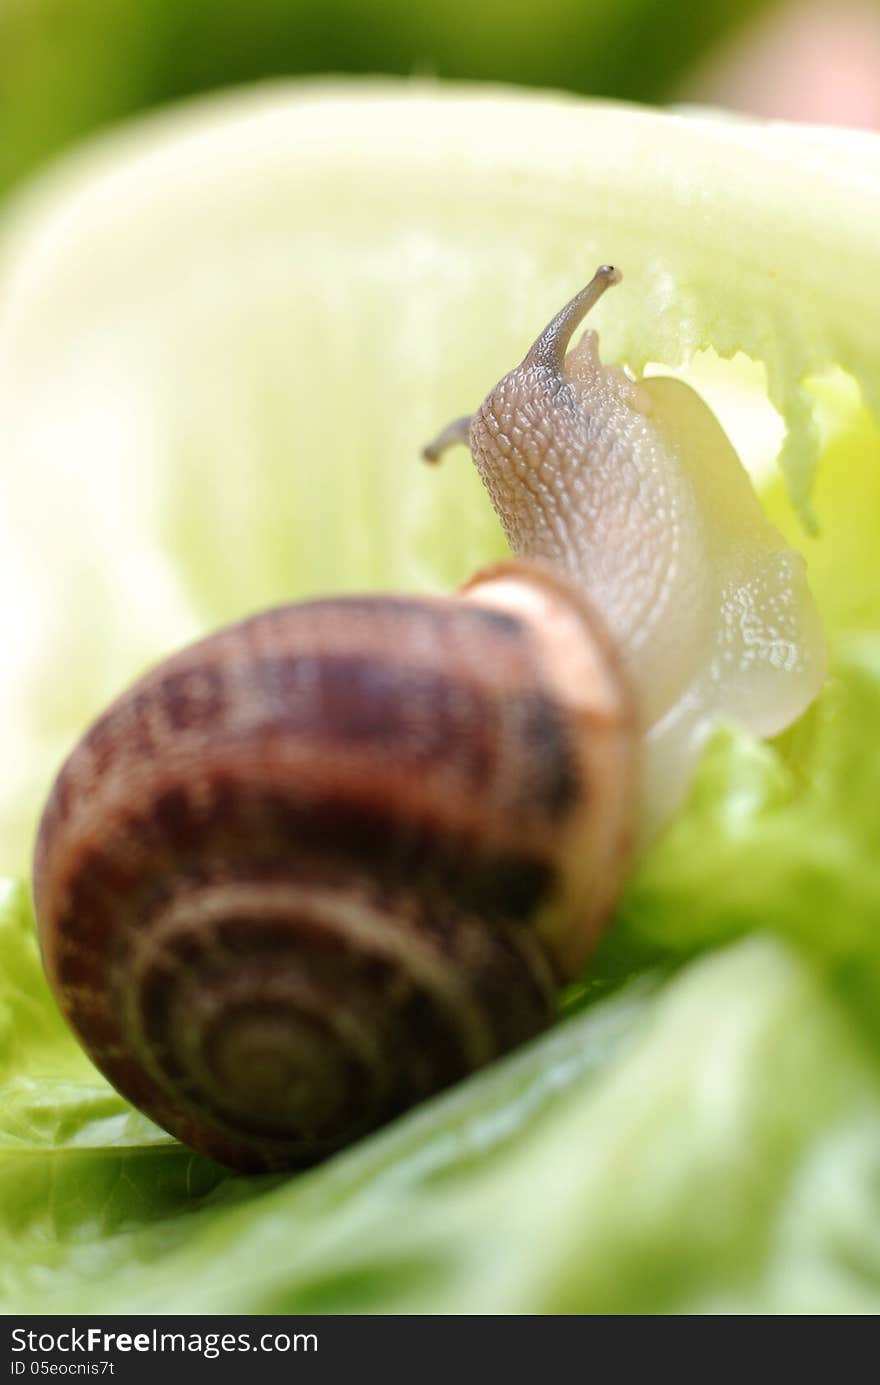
336	856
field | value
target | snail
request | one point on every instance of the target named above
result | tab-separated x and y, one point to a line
334	857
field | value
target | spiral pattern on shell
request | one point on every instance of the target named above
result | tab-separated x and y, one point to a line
286	886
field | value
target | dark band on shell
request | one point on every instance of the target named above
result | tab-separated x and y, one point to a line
285	885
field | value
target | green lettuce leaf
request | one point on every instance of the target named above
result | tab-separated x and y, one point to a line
289	297
226	332
804	817
708	1144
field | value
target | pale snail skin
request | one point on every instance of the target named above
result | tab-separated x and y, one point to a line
633	491
332	858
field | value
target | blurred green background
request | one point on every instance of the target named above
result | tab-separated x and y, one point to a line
705	1140
68	67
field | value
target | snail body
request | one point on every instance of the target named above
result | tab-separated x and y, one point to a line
330	859
334	857
632	490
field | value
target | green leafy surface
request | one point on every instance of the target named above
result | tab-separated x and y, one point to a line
225	334
701	1131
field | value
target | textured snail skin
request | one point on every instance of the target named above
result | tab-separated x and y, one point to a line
632	491
334	857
